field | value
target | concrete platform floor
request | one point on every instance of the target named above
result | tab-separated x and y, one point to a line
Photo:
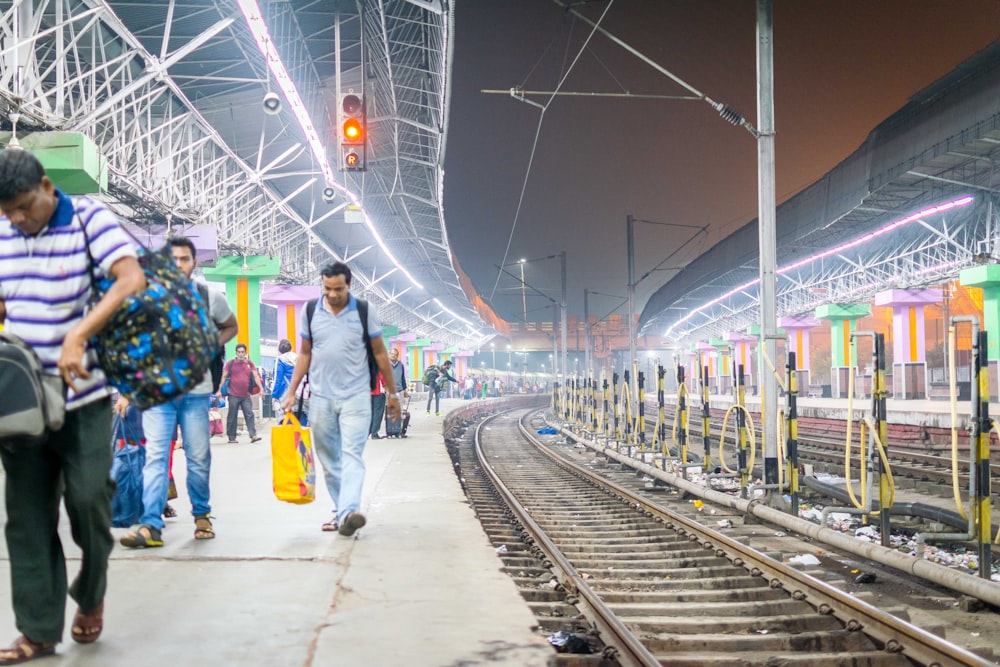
420	585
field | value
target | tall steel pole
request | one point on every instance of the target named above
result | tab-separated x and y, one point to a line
766	227
562	317
524	296
633	392
588	372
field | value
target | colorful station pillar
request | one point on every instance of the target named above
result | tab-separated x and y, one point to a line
289	299
741	353
418	356
987	277
797	329
242	276
843	319
723	365
909	347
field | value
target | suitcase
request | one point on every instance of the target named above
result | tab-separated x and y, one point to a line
396	428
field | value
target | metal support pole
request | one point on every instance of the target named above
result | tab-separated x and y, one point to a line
682	416
981	459
614	391
607	408
562	317
588	358
661	434
766	217
641	428
792	435
706	416
879	411
630	224
743	458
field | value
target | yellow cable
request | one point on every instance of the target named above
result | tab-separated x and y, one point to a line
953	395
777	375
994	429
722	439
885	459
850	443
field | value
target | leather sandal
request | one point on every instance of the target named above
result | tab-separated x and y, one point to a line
88	627
142	536
203	527
23	650
331	526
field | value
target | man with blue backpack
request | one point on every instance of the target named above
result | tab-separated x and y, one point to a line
46	277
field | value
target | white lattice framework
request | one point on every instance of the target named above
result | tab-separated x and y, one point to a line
171	95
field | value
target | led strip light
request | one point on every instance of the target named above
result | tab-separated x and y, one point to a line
861	240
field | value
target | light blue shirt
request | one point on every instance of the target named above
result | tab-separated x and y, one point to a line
339	365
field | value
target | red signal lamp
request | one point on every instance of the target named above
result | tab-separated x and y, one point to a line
352	160
354	131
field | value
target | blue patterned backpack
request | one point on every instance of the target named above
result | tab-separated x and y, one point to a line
160	342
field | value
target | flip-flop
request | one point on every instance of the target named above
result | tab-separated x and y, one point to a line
23	650
331	526
88	627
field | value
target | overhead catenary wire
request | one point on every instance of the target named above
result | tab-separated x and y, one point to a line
534	143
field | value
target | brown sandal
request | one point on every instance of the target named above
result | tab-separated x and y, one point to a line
331	526
203	527
23	650
87	627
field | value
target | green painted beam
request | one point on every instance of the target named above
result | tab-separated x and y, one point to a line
71	161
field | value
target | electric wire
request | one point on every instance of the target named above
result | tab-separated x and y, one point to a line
534	146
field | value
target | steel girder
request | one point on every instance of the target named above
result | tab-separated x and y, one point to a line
171	93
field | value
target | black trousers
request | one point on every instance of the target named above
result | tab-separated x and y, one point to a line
74	464
245	404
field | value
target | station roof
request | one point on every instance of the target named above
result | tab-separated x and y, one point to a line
172	94
894	214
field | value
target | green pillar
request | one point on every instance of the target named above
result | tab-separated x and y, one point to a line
843	322
242	276
987	277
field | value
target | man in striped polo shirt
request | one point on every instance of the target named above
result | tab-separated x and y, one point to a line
44	286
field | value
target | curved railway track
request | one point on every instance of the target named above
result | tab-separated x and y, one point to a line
658	587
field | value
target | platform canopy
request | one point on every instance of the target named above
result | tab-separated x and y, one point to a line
172	94
912	207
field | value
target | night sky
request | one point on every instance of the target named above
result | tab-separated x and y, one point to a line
841	67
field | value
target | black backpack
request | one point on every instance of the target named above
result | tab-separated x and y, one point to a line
363	314
34	403
219	360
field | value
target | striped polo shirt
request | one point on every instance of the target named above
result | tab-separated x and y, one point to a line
45	284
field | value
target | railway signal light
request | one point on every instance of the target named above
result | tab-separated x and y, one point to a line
353	132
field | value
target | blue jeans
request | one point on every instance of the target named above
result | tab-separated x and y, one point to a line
160	424
339	432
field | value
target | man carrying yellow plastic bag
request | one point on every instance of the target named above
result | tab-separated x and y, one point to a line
342	351
293	466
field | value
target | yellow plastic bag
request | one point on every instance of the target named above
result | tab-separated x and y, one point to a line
293	466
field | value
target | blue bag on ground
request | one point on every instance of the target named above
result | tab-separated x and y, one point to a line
126	470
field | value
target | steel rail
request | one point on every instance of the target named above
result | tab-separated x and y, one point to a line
895	635
629	651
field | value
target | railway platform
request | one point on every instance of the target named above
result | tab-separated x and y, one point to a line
420	585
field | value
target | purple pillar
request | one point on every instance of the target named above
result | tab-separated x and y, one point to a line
289	299
909	347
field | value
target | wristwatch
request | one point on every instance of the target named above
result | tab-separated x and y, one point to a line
392	395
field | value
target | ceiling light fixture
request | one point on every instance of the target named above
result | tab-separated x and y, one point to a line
255	21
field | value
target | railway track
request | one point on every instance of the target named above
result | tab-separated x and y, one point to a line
656	585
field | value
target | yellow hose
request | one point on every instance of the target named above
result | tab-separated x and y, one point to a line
953	395
777	375
722	439
849	443
994	429
885	459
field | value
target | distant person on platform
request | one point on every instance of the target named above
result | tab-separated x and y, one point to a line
336	357
284	367
240	371
437	377
378	406
398	372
